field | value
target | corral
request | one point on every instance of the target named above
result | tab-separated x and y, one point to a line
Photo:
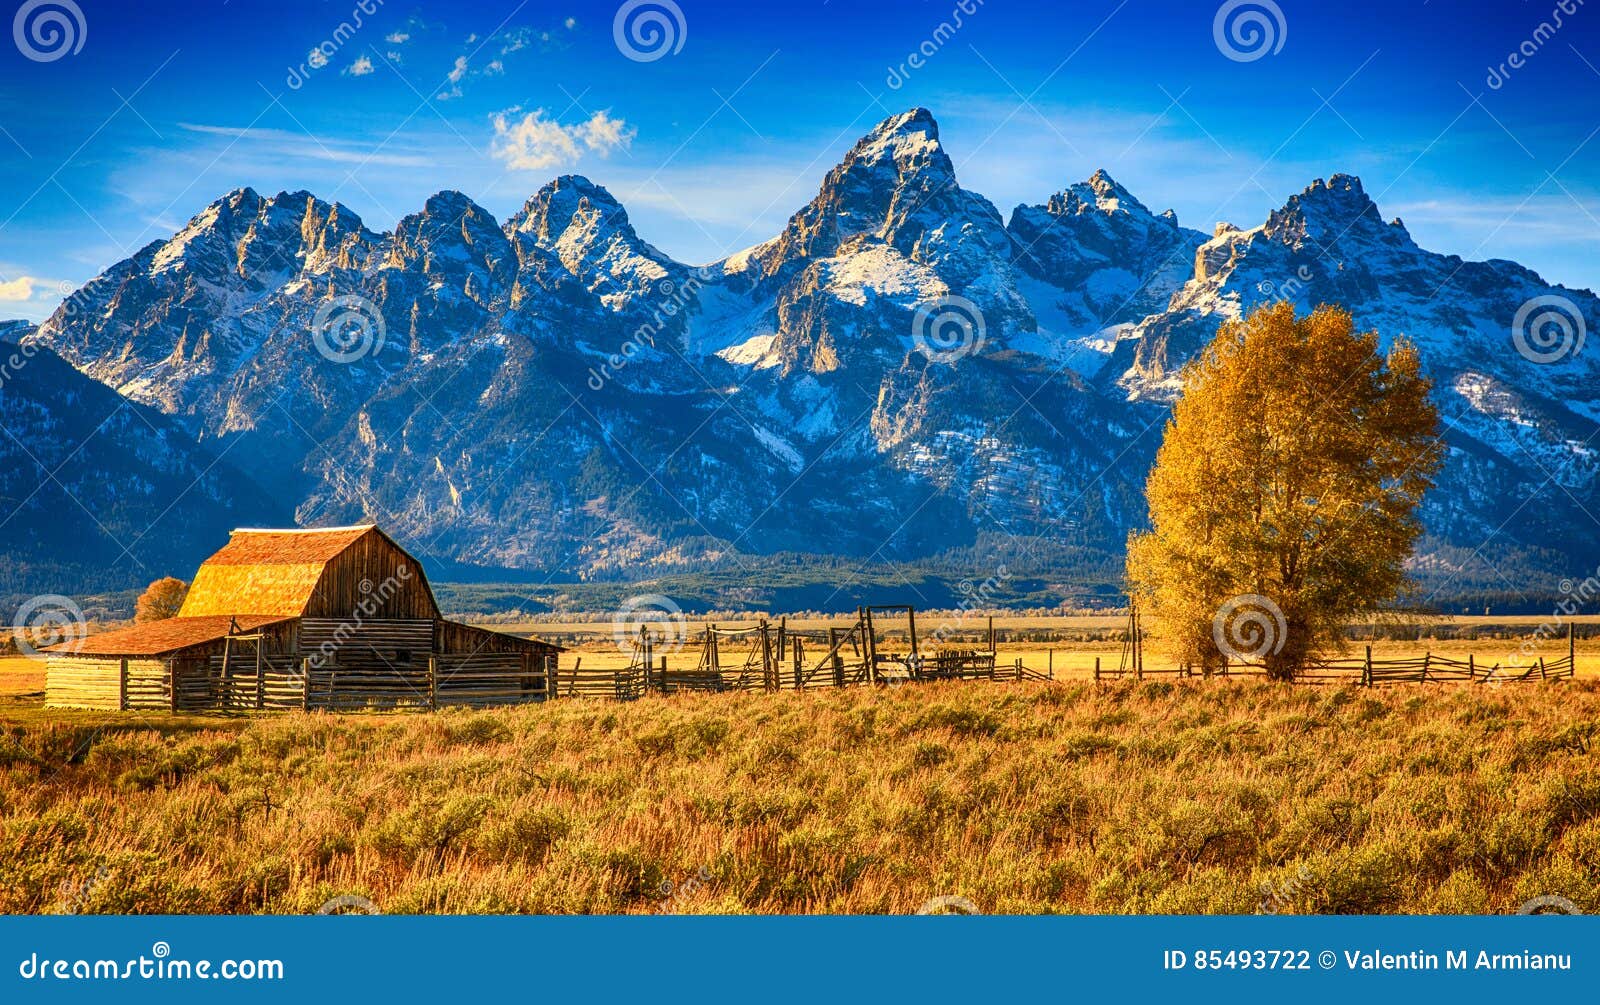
335	618
768	657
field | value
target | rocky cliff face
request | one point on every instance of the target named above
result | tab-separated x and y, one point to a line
897	373
107	488
1520	410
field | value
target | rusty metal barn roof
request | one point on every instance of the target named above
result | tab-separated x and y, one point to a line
267	571
157	638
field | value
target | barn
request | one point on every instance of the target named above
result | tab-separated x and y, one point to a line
337	618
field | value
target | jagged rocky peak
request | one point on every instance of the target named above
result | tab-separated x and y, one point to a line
1107	259
450	234
909	140
1101	192
1330	210
567	202
587	229
896	186
261	238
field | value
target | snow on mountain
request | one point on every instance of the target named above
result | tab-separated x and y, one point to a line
104	487
1532	423
898	372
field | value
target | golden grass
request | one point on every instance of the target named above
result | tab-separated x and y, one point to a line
1132	797
20	675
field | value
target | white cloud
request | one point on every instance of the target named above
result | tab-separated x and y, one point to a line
571	23
457	74
604	134
536	143
18	289
397	38
360	68
316	59
494	69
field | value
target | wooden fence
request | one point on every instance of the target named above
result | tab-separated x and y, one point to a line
772	657
1366	671
283	683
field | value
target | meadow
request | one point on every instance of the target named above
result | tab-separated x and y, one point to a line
1170	796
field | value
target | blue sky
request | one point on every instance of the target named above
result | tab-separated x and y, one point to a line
112	143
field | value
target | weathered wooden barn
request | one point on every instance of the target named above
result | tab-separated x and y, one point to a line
339	618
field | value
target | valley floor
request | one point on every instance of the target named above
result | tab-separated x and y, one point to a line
1222	796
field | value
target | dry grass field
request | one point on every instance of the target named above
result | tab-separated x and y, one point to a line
1191	796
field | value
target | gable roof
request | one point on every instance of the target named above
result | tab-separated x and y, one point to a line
158	638
268	571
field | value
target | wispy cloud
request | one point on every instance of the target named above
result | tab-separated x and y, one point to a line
537	143
360	68
509	42
287	143
457	74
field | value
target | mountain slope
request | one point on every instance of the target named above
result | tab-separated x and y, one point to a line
1522	467
96	484
899	373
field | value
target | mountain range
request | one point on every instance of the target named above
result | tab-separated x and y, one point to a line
901	373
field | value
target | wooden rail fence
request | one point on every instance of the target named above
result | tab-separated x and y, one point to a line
1429	668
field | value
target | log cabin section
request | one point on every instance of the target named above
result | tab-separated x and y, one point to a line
339	618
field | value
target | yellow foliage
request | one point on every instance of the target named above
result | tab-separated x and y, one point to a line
1284	496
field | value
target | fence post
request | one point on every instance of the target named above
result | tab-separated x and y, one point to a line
433	682
305	684
1097	668
1472	667
1572	647
122	687
869	642
1366	669
834	642
769	670
172	685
